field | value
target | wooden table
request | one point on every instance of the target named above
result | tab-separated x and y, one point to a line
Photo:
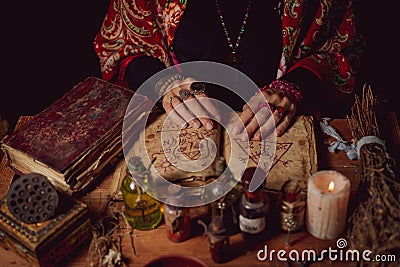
152	244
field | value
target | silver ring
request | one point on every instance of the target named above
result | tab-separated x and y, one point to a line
197	88
184	94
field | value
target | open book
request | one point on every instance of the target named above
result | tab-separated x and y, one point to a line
294	155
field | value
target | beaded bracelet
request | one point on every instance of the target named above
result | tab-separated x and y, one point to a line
291	88
165	82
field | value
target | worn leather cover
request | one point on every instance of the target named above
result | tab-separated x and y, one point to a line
65	130
46	243
72	140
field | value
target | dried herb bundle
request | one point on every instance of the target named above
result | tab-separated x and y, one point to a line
375	224
110	227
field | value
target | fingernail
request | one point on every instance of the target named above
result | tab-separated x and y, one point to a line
278	133
196	124
235	130
209	125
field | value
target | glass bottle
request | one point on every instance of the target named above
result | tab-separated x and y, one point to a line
142	211
177	218
253	209
228	207
218	237
291	206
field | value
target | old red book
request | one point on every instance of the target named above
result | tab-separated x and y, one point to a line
72	140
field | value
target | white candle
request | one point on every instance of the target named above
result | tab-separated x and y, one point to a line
328	196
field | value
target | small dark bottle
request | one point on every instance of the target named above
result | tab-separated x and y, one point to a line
176	216
218	237
253	209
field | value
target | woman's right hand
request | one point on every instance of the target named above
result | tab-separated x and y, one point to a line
187	106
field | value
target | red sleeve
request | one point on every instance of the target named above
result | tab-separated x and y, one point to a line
130	29
330	48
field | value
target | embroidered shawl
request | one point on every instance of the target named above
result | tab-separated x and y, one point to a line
329	46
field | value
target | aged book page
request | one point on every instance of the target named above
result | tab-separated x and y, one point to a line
295	154
175	146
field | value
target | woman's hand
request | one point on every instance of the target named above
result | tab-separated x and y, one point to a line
260	121
187	103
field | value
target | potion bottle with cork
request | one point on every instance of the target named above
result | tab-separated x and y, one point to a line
254	207
218	237
177	217
228	205
291	206
142	211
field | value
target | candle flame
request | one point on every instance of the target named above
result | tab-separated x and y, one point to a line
331	186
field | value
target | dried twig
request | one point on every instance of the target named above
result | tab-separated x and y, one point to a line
375	224
105	248
362	120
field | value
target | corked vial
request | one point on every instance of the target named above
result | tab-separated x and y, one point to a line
218	237
177	217
254	207
291	206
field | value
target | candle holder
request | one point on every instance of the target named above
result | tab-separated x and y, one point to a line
328	196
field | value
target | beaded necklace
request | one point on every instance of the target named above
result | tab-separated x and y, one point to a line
233	57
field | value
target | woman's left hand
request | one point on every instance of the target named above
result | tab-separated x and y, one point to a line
259	122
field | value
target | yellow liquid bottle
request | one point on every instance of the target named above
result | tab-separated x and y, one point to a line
142	211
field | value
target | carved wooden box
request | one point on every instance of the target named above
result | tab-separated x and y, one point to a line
48	242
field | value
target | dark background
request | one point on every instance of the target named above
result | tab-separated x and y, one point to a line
47	48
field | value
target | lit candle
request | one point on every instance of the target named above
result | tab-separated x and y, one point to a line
328	196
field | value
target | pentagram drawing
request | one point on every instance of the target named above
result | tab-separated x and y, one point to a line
264	149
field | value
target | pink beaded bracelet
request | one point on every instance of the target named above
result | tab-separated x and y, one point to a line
292	89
